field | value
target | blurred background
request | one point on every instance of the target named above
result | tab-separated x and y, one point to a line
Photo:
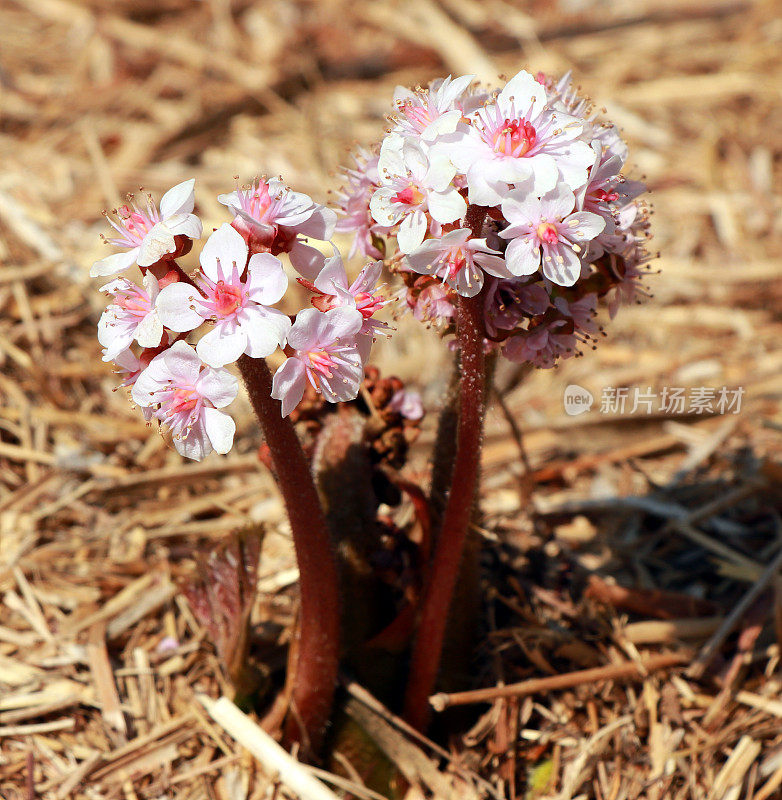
98	98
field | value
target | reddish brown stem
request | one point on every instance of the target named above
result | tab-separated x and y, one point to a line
318	645
438	592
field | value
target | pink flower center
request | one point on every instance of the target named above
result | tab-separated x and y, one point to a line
602	194
514	138
321	362
227	298
183	400
137	304
368	304
135	222
455	261
256	201
409	196
547	232
418	116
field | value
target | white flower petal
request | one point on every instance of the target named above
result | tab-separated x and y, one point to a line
584	225
221	345
266	279
150	330
178	200
220	429
562	266
522	257
319	225
156	244
176	306
265	328
218	386
227	246
196	445
307	261
412	231
382	207
447	206
114	264
288	384
186	225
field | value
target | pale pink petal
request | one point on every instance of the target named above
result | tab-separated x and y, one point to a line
345	383
306	260
178	200
320	225
176	306
522	257
339	324
562	266
196	445
288	384
228	247
218	386
412	231
382	208
220	429
447	206
114	264
583	226
181	362
332	277
185	225
221	345
265	329
157	243
150	330
266	279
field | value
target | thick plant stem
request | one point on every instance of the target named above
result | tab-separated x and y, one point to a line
318	645
439	589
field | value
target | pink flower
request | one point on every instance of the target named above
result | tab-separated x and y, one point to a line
605	192
518	138
545	230
235	299
557	337
332	285
459	260
431	112
269	215
353	200
542	346
186	397
413	181
407	403
131	316
148	235
325	354
431	303
509	302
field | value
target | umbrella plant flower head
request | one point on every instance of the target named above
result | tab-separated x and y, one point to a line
505	220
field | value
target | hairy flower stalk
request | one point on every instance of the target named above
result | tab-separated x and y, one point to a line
318	645
441	580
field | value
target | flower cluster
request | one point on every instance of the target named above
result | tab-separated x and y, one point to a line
517	196
515	199
240	280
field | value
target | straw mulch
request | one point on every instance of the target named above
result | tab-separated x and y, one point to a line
618	539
